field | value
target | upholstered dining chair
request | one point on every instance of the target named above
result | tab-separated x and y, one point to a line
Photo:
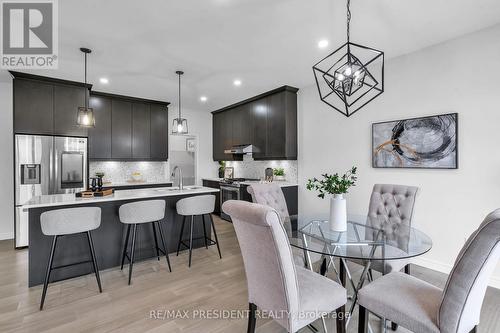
271	194
423	308
293	296
390	204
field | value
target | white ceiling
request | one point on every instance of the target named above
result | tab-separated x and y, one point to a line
138	45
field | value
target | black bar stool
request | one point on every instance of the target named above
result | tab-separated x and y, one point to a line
70	221
202	205
134	213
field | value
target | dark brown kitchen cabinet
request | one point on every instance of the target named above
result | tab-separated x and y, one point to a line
159	132
218	137
128	129
44	105
242	125
67	100
121	129
141	131
267	121
100	136
33	107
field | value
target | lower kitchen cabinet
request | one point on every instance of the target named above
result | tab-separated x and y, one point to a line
214	184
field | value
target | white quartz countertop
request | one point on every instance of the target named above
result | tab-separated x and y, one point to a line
250	182
134	183
119	195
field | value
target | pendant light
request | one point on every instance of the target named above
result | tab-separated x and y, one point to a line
85	114
351	76
179	125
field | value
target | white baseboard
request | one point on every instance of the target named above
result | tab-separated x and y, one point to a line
6	235
446	268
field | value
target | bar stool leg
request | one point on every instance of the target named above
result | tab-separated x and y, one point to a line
156	241
191	240
132	252
215	235
125	246
180	237
205	231
94	261
165	248
49	269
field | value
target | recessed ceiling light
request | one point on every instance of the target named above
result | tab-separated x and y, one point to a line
322	43
203	98
237	82
104	80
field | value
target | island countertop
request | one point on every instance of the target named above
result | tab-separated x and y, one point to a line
119	195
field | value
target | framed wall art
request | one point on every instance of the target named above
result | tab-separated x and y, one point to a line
426	142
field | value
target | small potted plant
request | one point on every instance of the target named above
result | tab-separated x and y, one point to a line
335	186
279	174
222	166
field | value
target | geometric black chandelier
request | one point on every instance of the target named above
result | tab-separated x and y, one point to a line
351	76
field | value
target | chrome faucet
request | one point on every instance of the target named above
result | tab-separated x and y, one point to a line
181	187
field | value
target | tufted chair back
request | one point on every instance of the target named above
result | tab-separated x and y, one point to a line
464	291
391	209
270	194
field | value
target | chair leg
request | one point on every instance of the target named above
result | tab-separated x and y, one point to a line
340	319
251	318
204	231
191	240
165	248
125	246
323	268
180	236
94	261
363	320
156	241
49	269
215	235
132	252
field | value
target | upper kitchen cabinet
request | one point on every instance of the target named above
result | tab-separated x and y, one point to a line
128	129
268	121
141	131
159	132
121	129
67	99
100	135
44	105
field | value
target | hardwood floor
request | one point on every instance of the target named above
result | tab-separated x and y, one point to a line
211	284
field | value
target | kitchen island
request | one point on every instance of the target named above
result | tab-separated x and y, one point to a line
109	238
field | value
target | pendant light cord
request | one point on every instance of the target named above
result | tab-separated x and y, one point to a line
86	97
179	95
348	19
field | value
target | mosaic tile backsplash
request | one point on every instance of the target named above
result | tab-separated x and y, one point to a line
248	168
121	172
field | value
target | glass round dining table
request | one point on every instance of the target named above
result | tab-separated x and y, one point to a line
369	241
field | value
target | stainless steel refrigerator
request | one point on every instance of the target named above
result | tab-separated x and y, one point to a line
46	165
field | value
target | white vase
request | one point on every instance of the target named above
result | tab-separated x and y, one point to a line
338	213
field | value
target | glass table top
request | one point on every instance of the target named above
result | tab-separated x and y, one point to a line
366	239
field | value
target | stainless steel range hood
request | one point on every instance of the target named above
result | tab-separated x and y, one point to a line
241	149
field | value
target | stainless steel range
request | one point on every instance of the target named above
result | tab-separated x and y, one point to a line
231	190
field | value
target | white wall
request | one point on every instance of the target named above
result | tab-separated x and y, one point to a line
6	161
461	76
199	124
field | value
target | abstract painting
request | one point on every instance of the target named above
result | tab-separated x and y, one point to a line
426	142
